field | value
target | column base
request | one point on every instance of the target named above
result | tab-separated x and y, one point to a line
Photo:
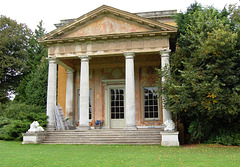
50	128
130	128
169	138
82	128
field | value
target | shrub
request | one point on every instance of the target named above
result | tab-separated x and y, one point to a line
15	119
229	135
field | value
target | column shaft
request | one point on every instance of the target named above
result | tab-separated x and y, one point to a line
130	91
84	94
69	97
51	93
165	65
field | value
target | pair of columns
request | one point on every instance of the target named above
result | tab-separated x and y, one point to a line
129	87
84	91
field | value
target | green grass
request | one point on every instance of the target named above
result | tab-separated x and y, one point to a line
15	154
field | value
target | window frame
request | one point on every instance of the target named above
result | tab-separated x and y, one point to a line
143	105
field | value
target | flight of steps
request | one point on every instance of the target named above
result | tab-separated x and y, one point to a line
104	136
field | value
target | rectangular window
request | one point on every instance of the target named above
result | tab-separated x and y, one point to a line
151	102
90	104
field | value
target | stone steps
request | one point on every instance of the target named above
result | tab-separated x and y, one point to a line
104	136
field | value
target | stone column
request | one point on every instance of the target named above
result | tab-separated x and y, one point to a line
130	91
165	64
51	92
69	96
84	94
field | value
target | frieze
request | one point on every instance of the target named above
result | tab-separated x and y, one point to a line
109	47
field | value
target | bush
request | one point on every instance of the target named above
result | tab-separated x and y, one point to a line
15	119
229	135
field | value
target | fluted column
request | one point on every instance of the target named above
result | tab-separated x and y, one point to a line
51	92
84	94
165	65
130	91
69	96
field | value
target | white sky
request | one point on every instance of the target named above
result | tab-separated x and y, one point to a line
31	12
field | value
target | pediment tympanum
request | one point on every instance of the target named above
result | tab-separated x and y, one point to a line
105	20
106	25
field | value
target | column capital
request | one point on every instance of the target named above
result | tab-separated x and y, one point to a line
52	59
70	71
165	52
84	58
129	55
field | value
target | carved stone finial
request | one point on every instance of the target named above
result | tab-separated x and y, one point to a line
169	125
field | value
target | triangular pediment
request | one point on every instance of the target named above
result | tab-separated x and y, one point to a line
107	25
106	20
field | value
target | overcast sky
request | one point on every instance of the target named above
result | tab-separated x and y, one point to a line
31	12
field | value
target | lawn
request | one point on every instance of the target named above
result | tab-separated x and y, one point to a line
15	154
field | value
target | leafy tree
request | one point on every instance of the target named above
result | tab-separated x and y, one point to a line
14	43
203	88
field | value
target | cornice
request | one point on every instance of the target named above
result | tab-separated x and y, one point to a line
107	37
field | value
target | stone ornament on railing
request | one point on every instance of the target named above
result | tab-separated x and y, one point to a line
35	127
169	125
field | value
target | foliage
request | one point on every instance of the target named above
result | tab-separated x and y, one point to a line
226	135
15	119
204	86
36	88
14	43
37	53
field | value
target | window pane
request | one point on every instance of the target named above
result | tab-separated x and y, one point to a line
146	115
121	97
151	115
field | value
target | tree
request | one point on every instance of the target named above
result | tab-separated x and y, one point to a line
36	88
203	88
14	43
36	52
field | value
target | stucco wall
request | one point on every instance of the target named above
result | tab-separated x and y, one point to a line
62	81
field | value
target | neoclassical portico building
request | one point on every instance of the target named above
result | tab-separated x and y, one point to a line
102	67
